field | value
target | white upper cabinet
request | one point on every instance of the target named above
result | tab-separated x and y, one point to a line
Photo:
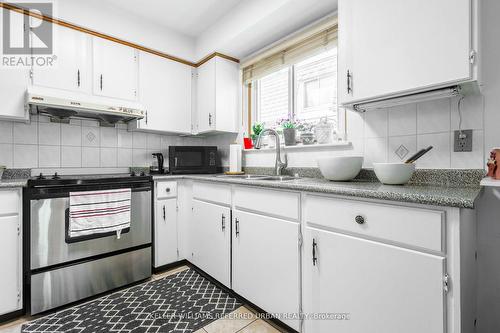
14	81
72	68
389	48
114	70
218	96
165	92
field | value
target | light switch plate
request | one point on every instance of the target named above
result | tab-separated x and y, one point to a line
463	143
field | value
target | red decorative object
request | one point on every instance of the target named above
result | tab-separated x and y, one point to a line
247	143
493	163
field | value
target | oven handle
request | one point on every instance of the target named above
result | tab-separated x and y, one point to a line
142	189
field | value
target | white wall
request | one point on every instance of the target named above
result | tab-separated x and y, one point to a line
103	17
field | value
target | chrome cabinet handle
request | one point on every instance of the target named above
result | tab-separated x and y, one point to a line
164	213
78	78
223	222
167	189
349	82
209	119
237	227
101	82
359	219
314	245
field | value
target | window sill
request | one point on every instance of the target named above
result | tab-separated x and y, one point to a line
340	145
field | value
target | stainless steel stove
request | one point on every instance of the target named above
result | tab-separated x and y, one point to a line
59	272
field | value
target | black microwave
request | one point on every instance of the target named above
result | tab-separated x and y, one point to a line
192	159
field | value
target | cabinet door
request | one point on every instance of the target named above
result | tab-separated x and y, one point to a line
381	287
72	67
211	240
266	262
165	232
115	69
394	47
165	91
206	96
227	89
14	81
10	260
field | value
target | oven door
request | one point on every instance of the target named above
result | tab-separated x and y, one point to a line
192	159
48	231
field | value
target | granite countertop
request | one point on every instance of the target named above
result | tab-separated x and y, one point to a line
461	197
10	183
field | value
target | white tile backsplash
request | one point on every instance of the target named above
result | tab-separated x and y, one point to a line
7	154
124	157
139	140
26	133
439	156
401	148
90	157
153	141
376	124
71	157
25	156
472	117
6	130
108	157
49	156
375	151
91	136
71	135
124	139
402	120
433	116
49	134
109	137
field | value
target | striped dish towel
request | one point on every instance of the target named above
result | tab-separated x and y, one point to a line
96	212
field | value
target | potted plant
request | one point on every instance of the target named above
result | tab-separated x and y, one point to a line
257	128
289	127
306	133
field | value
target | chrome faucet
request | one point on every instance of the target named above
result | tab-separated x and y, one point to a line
279	165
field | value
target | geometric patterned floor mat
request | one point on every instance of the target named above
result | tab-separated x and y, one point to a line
183	302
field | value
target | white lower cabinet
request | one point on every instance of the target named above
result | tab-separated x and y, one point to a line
210	240
166	232
11	255
381	288
266	263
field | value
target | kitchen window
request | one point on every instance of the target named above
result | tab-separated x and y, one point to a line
297	82
305	91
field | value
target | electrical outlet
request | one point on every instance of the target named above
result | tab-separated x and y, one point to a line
463	143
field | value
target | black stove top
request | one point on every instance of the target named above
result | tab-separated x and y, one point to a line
70	180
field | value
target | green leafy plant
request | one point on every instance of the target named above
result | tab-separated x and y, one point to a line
257	128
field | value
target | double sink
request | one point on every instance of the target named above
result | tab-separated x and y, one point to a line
260	177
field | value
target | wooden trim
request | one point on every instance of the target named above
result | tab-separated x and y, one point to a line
249	109
66	24
215	54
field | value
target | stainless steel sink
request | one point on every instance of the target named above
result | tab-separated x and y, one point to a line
259	177
280	178
249	177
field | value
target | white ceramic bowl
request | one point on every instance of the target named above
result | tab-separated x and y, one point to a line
340	168
394	173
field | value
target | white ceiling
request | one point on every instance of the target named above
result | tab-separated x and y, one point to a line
190	17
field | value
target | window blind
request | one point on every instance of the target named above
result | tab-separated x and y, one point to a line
289	54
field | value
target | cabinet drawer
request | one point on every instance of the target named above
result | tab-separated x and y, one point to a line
416	227
166	190
276	203
10	202
212	192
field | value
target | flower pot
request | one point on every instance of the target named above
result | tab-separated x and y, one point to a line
290	135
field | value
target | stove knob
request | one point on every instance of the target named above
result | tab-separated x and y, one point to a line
132	174
143	173
56	176
40	176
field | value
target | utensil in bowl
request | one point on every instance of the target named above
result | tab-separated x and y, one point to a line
419	154
394	173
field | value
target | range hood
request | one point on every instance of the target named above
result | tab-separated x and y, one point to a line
62	108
